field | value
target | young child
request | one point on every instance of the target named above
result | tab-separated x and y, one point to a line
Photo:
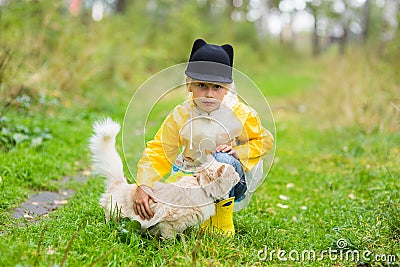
213	120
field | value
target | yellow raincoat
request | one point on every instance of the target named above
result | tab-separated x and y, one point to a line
178	134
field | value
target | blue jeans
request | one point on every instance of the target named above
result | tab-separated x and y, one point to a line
240	188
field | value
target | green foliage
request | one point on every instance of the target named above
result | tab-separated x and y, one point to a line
127	228
58	74
343	184
11	135
55	53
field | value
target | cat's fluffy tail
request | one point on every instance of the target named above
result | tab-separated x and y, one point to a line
105	158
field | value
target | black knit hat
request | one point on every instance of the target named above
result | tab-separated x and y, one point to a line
211	63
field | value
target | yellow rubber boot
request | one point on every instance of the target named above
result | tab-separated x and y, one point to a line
222	221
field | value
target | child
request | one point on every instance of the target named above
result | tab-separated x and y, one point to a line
213	120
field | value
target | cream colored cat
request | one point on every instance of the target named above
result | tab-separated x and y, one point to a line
187	202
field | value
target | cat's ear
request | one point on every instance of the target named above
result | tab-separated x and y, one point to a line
220	170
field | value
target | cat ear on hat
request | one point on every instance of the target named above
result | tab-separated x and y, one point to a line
229	50
198	43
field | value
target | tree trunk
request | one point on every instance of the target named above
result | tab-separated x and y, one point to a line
120	6
344	22
315	40
365	20
343	39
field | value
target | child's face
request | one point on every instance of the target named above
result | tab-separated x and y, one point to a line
208	96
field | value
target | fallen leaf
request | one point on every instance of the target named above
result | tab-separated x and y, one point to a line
282	206
290	185
283	197
50	251
60	202
28	217
303	207
270	210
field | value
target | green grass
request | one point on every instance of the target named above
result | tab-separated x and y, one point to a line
344	186
288	79
329	181
347	180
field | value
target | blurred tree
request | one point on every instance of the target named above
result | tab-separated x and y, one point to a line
390	16
334	21
365	18
344	19
339	21
262	21
315	39
120	6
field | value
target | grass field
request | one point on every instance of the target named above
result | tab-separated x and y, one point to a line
333	189
326	185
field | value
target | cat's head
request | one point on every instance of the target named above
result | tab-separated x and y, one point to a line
217	178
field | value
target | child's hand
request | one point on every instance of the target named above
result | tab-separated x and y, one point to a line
141	204
226	149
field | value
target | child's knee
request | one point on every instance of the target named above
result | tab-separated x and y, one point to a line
224	157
